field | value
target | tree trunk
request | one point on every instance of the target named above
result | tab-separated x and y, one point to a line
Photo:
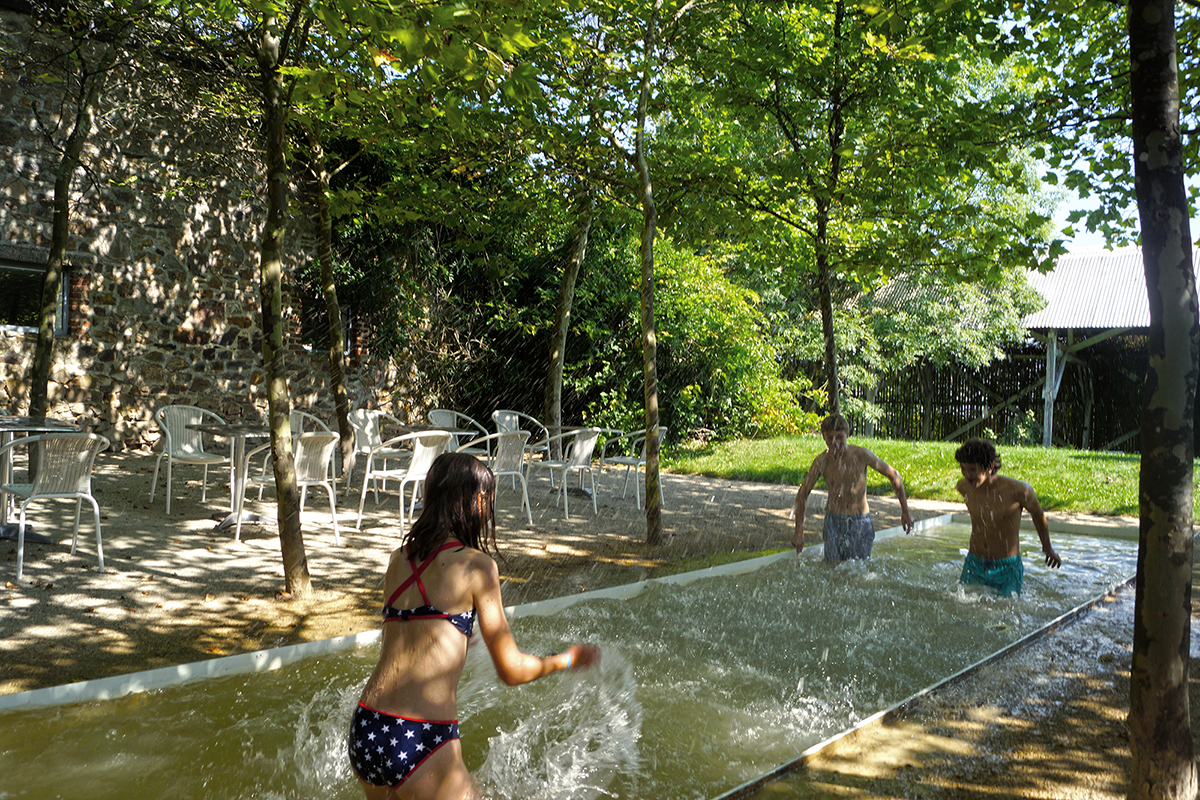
654	533
295	564
566	297
1160	735
333	311
836	132
826	295
91	87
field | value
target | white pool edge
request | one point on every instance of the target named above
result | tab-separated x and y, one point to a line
266	660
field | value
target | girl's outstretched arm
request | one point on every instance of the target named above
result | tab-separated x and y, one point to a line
513	666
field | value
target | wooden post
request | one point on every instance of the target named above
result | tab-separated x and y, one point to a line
1051	387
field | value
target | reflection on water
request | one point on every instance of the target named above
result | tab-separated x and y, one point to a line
702	687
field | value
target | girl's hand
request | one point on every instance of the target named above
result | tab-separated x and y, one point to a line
583	655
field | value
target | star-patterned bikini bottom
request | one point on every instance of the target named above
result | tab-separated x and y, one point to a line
386	749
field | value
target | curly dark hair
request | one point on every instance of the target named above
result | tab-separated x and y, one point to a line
978	451
833	423
459	504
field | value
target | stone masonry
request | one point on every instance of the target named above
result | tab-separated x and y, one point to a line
163	255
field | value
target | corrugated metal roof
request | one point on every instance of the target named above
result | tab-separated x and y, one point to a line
1093	289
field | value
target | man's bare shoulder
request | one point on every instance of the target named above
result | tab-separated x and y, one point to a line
1010	487
858	455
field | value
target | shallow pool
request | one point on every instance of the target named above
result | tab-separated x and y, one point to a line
703	686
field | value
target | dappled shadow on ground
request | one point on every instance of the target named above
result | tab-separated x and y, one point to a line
1049	747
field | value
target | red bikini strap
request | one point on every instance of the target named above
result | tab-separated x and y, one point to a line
417	570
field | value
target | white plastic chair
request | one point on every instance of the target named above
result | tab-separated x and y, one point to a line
630	452
65	462
183	445
578	458
507	421
314	466
427	445
304	422
509	460
456	420
298	421
368	439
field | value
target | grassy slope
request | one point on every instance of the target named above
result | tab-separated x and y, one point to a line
1065	480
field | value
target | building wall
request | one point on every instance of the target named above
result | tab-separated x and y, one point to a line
163	257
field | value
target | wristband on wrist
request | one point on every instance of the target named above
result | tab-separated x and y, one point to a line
570	659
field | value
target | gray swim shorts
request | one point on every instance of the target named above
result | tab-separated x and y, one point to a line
848	536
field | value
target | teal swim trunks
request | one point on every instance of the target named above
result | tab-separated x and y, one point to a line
1005	575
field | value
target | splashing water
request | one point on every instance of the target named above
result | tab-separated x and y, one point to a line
575	738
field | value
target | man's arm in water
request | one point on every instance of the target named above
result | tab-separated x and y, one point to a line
810	481
888	471
1030	503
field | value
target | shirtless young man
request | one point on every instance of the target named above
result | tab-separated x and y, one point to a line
848	530
995	504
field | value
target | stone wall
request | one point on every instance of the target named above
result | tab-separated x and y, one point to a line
163	256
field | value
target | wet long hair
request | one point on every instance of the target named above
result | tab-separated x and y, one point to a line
459	504
978	451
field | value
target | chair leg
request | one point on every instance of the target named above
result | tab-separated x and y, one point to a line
591	476
362	499
412	506
75	533
21	541
154	483
404	481
563	492
99	545
337	538
625	486
525	499
170	464
204	485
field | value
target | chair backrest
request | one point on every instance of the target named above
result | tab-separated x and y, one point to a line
366	429
445	418
426	448
505	421
662	432
65	462
314	455
510	452
582	447
174	421
302	419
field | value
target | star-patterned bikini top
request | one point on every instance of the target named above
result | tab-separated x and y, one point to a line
465	622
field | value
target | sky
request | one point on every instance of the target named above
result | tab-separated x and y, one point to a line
1086	240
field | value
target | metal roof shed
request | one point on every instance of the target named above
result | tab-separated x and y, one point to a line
1097	294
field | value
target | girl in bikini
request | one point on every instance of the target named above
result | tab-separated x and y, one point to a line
404	733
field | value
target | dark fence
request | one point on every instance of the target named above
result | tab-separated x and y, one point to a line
1098	405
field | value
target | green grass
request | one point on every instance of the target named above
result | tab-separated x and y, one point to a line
1076	481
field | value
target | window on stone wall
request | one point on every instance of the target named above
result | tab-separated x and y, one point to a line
21	296
314	325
